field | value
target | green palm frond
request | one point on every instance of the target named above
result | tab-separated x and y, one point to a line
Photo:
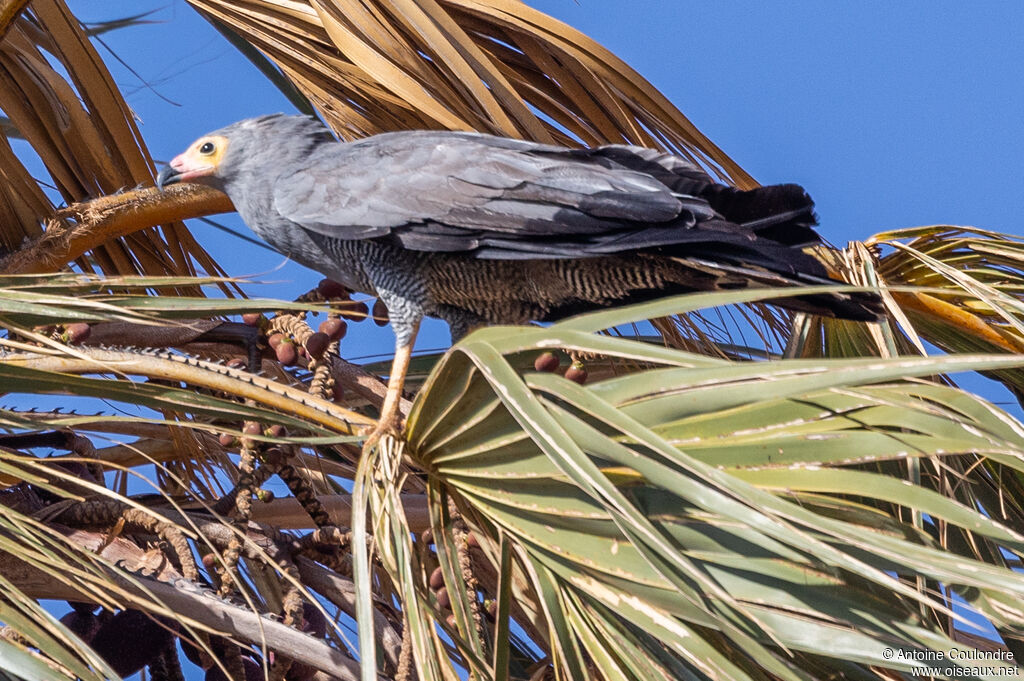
182	414
721	518
681	516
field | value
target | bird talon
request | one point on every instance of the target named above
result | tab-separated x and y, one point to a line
385	426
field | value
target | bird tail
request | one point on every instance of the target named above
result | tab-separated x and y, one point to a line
854	305
783	213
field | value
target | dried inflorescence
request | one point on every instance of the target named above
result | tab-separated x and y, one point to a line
175	532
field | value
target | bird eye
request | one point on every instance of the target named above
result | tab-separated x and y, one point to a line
206	148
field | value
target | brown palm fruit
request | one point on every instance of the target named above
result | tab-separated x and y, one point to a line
334	328
427	536
275	339
276	430
130	640
354	310
331	289
437	579
471	541
274	456
444	601
577	373
252	319
226	440
316	344
451	621
76	333
84	625
287	352
250	428
380	313
238	363
547	362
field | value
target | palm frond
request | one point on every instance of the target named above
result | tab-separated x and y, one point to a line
969	297
184	415
707	515
502	68
701	508
680	516
85	135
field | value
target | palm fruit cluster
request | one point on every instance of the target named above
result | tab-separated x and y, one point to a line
549	362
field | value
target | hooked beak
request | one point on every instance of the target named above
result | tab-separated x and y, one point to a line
167	176
182	168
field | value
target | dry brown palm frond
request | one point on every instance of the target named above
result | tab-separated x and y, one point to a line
75	529
497	67
84	133
971	297
82	227
369	67
980	277
9	9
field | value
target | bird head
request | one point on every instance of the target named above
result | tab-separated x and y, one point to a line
254	144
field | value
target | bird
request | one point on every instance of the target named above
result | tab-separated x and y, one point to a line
478	229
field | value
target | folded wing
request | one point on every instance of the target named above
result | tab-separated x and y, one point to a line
490	197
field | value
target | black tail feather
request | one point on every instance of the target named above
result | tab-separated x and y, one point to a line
783	213
861	306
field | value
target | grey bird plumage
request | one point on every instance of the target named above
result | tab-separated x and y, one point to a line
475	229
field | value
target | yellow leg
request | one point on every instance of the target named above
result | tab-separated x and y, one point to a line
390	418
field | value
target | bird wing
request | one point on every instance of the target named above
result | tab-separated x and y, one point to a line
495	197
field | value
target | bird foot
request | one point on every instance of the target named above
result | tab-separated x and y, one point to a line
390	421
385	426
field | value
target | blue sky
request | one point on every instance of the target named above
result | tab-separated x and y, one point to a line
890	114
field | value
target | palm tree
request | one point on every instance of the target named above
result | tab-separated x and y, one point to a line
826	504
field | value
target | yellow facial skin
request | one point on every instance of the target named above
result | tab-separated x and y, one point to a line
202	158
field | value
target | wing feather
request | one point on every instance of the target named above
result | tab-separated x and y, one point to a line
443	191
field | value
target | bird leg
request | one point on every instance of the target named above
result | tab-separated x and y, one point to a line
390	418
